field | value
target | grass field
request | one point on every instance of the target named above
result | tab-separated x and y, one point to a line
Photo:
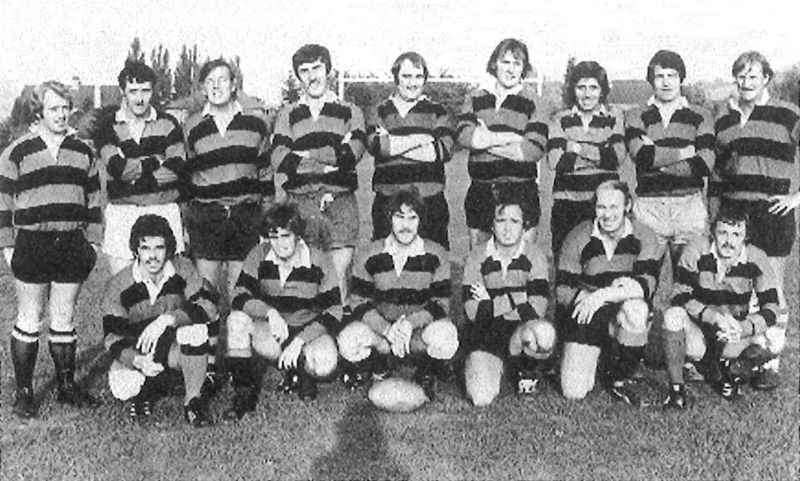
341	436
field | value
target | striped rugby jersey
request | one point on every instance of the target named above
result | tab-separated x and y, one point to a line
423	285
145	172
519	292
517	114
584	263
128	307
702	289
757	159
45	193
395	172
232	168
296	130
660	171
602	150
308	298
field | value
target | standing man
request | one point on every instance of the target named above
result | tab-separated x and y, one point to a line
586	148
505	140
401	292
411	138
49	215
318	142
230	183
144	155
505	295
287	309
156	314
710	315
605	281
757	137
671	143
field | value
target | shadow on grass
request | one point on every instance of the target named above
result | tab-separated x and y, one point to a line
98	362
360	451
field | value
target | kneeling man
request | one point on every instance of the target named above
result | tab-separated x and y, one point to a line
606	276
287	307
400	294
505	298
156	315
711	318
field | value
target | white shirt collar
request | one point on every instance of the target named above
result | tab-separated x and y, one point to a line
609	243
123	115
301	257
491	250
734	102
393	248
153	288
236	109
404	106
680	103
600	110
51	140
328	96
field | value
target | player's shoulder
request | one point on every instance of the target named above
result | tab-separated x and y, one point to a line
193	120
436	249
756	255
370	249
643	231
782	104
184	267
580	233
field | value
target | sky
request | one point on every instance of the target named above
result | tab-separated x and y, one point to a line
89	38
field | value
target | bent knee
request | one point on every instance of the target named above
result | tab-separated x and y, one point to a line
482	375
355	341
441	339
775	337
321	356
636	313
675	319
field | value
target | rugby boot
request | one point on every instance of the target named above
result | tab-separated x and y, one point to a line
729	386
289	383
245	395
766	380
425	376
677	399
356	374
196	413
24	403
306	386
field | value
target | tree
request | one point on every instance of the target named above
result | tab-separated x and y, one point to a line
135	53
290	90
185	75
159	61
565	96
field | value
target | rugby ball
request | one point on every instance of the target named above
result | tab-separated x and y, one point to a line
397	395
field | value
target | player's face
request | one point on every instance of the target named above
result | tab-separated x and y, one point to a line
218	86
587	93
751	82
313	78
410	81
405	225
509	70
508	226
152	254
137	97
283	242
55	112
729	239
610	210
666	83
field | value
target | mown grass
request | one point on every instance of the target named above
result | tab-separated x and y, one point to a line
341	436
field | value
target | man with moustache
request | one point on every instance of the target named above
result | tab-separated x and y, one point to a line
605	280
156	314
399	300
710	317
144	155
318	142
757	137
411	138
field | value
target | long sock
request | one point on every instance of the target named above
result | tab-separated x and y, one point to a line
194	373
628	360
675	353
63	347
24	348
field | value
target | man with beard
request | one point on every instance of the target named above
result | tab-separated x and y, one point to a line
401	291
605	280
710	317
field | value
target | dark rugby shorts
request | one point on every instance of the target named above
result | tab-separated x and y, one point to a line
42	257
223	233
